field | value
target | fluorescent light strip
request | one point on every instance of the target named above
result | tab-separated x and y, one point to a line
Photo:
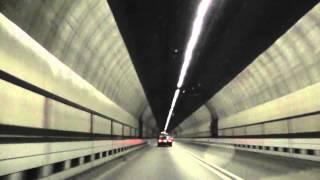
175	98
173	104
195	33
196	30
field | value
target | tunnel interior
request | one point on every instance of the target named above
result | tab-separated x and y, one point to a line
83	82
235	33
138	66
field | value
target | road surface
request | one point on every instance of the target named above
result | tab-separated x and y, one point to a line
189	161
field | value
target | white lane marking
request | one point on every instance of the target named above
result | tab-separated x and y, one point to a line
216	172
224	174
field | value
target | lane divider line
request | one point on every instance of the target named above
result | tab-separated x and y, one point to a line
214	168
214	171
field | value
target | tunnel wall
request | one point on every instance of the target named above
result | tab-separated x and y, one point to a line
60	160
150	128
277	93
83	35
53	124
147	133
293	113
196	125
50	95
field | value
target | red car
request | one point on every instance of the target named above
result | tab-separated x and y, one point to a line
165	139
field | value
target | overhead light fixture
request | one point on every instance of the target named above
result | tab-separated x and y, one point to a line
195	34
174	101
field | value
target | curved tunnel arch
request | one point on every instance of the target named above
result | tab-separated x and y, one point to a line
93	100
96	51
283	70
280	70
197	124
84	36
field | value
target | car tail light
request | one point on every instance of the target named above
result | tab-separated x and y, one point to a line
169	140
159	140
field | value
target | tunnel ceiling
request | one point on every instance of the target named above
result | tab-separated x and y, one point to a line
234	34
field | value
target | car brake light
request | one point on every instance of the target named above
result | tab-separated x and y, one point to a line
159	140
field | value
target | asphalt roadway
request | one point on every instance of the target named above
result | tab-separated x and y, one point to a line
189	161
